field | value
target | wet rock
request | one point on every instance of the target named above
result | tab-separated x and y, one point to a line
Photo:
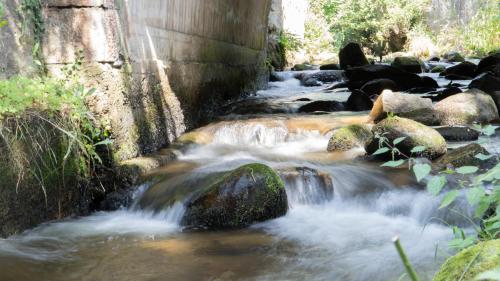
350	137
456	77
404	105
352	56
472	106
464	156
465	70
303	99
435	59
376	87
453	57
416	134
358	76
327	106
330	66
438	69
486	82
408	64
249	194
311	82
429	82
324	76
477	259
488	63
359	101
117	200
448	92
274	77
302	67
458	133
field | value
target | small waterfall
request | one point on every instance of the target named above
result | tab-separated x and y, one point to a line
305	186
251	134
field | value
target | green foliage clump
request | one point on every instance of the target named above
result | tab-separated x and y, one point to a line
289	42
58	104
370	22
3	22
481	186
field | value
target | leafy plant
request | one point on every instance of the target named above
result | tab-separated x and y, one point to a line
3	21
481	187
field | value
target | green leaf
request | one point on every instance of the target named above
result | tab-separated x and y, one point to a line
462	243
436	184
449	198
393	164
493	275
483	157
418	149
465	170
474	195
104	142
421	171
398	140
482	207
381	150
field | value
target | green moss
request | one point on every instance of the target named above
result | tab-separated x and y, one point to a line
438	69
349	137
470	262
273	181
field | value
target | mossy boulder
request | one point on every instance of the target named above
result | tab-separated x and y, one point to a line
408	64
471	262
465	156
351	56
302	67
472	106
438	69
416	134
349	137
453	57
251	193
465	69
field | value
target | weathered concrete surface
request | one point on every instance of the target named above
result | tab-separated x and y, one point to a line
160	67
15	44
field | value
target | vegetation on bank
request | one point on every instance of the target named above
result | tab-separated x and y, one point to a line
386	26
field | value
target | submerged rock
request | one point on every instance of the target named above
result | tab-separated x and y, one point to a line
464	156
404	105
236	199
408	64
376	87
350	137
307	186
438	69
416	134
359	101
323	76
472	106
458	133
327	106
465	69
476	259
351	56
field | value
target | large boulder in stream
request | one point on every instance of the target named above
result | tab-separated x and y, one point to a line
359	101
251	193
470	262
350	137
322	105
466	70
488	63
376	87
408	64
351	56
404	105
472	106
323	76
486	82
416	134
458	133
359	76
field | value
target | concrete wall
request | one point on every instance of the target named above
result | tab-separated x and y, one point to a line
160	67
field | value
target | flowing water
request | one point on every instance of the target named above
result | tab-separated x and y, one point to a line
343	214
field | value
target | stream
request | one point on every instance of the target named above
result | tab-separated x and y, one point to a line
342	218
